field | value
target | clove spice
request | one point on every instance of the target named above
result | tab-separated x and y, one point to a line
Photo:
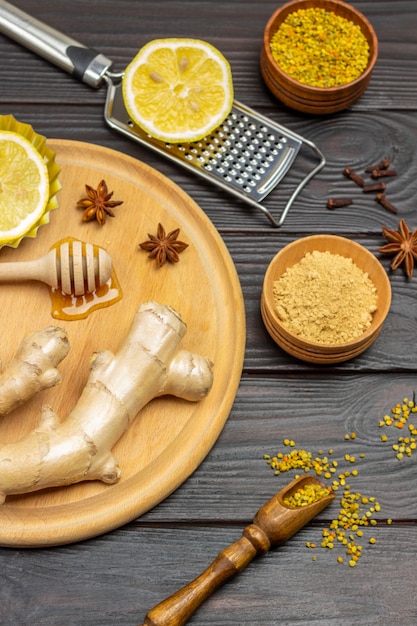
337	203
383	201
350	173
381	173
377	171
382	165
378	187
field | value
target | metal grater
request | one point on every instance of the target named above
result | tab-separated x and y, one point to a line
248	155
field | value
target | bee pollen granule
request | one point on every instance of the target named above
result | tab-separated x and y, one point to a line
319	48
325	298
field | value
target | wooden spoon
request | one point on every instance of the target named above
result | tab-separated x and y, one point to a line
272	526
74	266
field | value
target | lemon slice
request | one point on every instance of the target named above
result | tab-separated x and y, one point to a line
178	90
24	186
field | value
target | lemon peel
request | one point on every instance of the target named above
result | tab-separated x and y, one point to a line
8	122
179	89
24	186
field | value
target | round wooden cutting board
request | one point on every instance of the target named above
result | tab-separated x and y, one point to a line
170	437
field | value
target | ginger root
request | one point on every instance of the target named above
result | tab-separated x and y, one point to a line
33	367
148	364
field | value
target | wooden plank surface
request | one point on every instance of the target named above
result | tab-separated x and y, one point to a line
119	576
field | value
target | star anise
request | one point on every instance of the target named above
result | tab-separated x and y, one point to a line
97	204
403	244
164	247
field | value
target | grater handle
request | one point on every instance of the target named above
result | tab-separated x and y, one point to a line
83	63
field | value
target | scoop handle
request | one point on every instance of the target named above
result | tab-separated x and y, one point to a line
273	525
178	608
83	63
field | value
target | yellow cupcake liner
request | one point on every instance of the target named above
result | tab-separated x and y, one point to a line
8	122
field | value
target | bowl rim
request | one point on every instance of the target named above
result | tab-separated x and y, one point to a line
321	358
296	84
331	350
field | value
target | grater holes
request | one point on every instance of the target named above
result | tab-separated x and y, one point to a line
244	127
241	151
241	173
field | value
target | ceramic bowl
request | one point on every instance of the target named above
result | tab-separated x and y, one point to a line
310	351
305	98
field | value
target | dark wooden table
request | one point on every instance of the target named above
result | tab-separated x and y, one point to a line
118	577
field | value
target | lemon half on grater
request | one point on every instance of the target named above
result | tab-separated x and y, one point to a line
178	90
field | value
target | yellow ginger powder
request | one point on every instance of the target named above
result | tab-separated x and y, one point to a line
325	298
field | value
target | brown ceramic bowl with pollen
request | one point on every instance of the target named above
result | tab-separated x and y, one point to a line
305	98
311	351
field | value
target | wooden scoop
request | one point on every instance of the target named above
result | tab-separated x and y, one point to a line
272	526
74	266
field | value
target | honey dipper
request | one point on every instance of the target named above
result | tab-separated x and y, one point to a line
272	526
71	265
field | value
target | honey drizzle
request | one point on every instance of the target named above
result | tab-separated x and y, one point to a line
71	307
